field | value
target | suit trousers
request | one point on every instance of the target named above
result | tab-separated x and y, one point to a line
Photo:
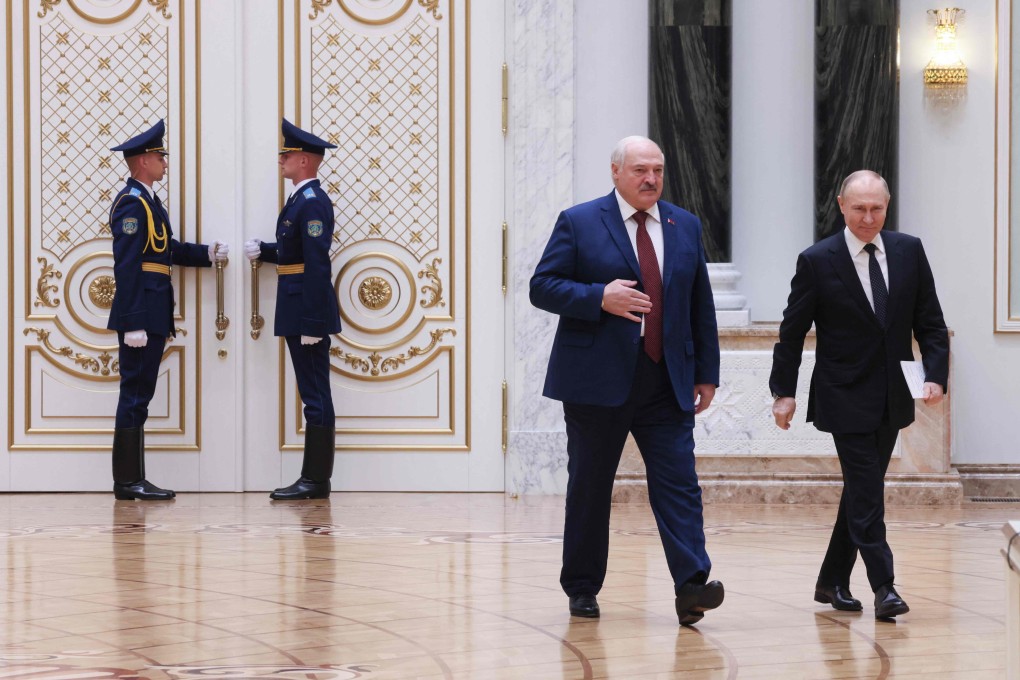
665	437
139	370
311	368
860	520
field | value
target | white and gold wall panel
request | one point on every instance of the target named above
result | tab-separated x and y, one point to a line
85	75
379	79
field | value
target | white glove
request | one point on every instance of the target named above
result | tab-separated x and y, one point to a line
218	251
253	248
309	340
136	339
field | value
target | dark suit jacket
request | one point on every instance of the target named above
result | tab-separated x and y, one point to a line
145	300
857	377
305	303
595	353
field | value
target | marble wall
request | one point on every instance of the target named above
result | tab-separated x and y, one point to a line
541	49
690	45
856	100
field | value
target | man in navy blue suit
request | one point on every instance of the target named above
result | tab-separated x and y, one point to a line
306	307
867	292
144	251
636	351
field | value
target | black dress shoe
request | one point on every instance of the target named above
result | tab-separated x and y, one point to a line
888	603
585	606
302	489
694	599
838	596
141	490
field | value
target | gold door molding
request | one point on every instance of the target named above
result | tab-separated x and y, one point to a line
386	80
82	76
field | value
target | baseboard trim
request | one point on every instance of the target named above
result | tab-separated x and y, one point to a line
807	488
994	480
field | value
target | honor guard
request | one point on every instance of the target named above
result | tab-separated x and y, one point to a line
306	306
144	252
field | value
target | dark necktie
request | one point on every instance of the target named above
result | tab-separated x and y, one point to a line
652	280
879	292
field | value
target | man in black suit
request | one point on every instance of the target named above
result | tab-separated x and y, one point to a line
866	292
636	351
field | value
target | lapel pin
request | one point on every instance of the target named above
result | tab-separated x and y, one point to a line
669	220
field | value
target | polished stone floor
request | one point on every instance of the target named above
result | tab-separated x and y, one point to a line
465	586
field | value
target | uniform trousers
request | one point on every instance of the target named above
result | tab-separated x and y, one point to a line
595	439
139	370
311	368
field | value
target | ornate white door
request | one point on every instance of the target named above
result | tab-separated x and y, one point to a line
410	93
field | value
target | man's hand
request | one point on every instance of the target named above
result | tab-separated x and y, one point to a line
219	251
309	340
253	248
703	395
931	393
782	410
136	339
620	298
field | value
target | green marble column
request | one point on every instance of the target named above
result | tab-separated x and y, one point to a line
689	110
856	100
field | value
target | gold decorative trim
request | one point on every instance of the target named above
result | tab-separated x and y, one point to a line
452	192
29	351
318	6
402	447
83	360
71	277
410	284
160	6
376	364
47	5
435	291
375	292
100	20
431	6
26	218
364	20
43	288
101	291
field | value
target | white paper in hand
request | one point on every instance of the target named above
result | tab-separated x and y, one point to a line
913	371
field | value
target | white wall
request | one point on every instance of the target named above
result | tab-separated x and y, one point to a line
611	42
947	187
773	147
947	174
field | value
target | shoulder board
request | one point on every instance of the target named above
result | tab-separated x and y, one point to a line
135	191
309	192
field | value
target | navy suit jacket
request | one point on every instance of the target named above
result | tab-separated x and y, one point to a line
144	300
305	303
857	378
595	353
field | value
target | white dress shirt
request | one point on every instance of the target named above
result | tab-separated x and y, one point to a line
298	186
862	261
653	225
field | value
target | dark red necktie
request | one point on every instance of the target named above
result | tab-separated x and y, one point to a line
652	280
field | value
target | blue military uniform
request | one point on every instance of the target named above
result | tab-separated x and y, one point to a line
306	305
144	252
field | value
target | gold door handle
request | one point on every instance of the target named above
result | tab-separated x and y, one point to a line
222	322
257	322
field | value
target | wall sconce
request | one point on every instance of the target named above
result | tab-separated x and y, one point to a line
945	67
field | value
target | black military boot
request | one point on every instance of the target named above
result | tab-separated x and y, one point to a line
320	445
129	482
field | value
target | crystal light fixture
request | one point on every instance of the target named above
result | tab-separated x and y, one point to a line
945	67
